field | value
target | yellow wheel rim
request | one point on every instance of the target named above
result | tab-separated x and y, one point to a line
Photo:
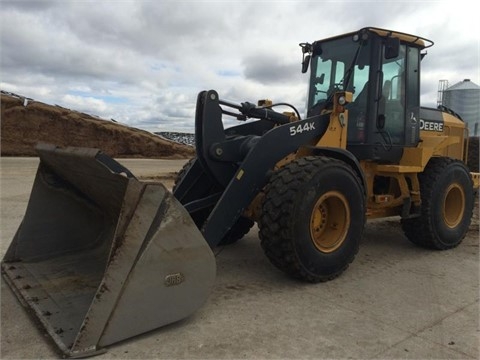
454	205
330	221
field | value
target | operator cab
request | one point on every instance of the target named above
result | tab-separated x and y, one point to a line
381	69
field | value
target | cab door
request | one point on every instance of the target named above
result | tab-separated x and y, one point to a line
399	102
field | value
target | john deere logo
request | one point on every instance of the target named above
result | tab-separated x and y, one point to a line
431	125
174	279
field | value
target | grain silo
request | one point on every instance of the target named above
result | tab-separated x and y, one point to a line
464	99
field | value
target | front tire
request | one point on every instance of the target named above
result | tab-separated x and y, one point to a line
447	205
313	218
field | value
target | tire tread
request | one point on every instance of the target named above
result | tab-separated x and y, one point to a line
422	230
277	216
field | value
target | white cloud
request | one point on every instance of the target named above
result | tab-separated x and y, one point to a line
143	62
81	103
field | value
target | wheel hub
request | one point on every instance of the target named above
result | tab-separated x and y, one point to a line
454	205
330	221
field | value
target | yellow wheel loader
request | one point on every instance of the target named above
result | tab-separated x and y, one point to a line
101	256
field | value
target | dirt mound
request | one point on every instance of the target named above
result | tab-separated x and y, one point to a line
24	123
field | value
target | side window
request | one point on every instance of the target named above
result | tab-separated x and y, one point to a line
329	74
322	81
392	104
339	73
357	109
360	79
394	77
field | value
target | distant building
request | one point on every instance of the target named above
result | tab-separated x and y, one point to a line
464	99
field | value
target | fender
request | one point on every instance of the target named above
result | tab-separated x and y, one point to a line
342	155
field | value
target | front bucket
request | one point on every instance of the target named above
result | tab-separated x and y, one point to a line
100	256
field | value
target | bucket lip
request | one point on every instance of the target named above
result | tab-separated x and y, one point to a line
79	354
43	148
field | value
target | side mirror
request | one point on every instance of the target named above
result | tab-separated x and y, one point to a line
392	47
305	63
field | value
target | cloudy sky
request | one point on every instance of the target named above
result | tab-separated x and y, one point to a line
142	63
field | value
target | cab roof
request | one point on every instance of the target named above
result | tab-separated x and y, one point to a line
419	41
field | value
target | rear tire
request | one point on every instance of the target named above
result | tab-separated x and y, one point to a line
236	232
447	205
313	218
